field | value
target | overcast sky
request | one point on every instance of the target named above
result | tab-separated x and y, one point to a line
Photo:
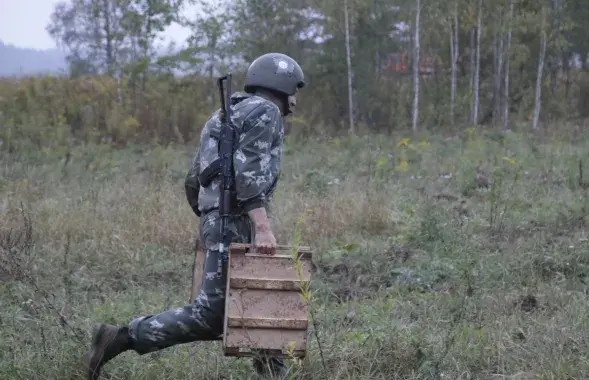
23	22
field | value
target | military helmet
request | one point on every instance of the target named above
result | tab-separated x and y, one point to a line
275	71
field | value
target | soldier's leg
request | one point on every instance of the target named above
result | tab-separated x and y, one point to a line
203	320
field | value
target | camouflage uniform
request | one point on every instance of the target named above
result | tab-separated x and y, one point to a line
257	163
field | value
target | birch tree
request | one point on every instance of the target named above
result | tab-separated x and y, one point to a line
349	66
416	57
507	62
541	57
477	68
498	59
472	68
454	46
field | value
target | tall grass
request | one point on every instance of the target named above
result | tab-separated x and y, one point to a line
421	273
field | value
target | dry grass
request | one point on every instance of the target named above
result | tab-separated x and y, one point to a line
420	273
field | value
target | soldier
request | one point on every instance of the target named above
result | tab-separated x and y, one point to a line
272	81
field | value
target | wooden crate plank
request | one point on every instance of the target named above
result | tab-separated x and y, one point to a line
268	267
255	303
266	339
246	352
263	284
277	323
264	308
197	273
243	247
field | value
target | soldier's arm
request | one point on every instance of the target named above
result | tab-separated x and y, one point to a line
260	219
255	167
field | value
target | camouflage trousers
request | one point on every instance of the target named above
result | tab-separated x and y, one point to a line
202	320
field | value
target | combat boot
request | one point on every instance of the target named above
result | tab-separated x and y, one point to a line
107	342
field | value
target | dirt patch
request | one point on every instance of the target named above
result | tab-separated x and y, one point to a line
527	303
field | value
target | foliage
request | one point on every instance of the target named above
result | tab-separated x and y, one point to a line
125	88
46	112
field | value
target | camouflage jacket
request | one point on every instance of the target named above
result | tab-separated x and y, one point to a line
256	161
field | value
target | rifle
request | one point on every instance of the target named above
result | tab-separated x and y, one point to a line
227	138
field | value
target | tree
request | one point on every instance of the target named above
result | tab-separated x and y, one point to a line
477	66
507	73
541	57
90	32
416	59
454	54
349	64
142	21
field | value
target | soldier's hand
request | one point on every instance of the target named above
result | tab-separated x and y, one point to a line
265	242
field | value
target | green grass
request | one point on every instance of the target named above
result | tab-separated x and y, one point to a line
420	273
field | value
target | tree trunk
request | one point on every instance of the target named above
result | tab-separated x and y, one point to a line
553	58
566	67
454	58
475	105
349	63
108	37
542	55
472	66
507	61
416	57
498	72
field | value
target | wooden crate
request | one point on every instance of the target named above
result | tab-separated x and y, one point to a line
197	271
264	308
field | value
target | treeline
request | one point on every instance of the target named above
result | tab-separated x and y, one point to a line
19	62
377	65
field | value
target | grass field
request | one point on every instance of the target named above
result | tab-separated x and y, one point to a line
422	271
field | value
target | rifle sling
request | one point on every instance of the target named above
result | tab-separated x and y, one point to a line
210	173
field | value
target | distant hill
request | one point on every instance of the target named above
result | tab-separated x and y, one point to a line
17	61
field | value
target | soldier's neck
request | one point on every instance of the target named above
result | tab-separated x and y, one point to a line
271	97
